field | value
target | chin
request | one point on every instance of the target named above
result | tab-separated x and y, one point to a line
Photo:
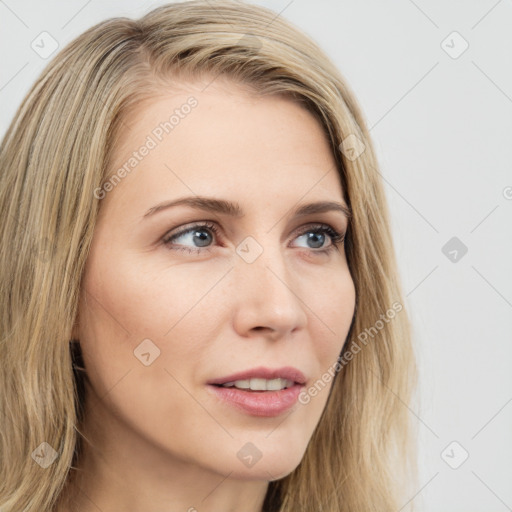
268	468
264	472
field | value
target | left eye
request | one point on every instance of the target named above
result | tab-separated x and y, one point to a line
316	235
198	233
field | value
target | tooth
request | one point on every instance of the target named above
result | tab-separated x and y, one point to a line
258	384
276	384
242	384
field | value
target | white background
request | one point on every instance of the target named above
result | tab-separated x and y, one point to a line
442	127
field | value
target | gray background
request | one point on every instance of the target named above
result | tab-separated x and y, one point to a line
442	126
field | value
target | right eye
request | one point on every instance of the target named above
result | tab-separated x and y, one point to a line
194	233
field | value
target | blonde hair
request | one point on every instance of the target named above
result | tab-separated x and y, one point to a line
57	151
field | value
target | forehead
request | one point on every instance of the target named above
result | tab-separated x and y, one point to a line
227	140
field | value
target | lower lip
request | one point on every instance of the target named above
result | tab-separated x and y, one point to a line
259	403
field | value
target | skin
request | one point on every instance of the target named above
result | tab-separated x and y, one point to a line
160	440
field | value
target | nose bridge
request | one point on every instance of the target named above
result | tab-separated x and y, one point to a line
267	294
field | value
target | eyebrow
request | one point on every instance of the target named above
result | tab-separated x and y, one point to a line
233	209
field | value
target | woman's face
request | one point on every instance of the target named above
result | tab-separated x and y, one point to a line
169	305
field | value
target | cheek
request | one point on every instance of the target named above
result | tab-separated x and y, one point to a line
129	318
330	318
144	300
334	310
128	311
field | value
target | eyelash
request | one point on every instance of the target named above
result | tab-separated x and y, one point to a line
336	237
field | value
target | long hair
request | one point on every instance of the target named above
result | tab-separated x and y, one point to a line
57	152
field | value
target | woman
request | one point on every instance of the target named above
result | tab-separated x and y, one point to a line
201	306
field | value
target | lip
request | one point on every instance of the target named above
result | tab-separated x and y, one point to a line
286	372
260	403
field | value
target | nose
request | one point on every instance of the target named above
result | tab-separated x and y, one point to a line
267	297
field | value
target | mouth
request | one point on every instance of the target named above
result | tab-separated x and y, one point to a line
260	391
256	384
262	379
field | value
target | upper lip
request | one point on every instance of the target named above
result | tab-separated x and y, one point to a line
287	372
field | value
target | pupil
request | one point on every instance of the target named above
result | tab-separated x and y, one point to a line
203	236
319	237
